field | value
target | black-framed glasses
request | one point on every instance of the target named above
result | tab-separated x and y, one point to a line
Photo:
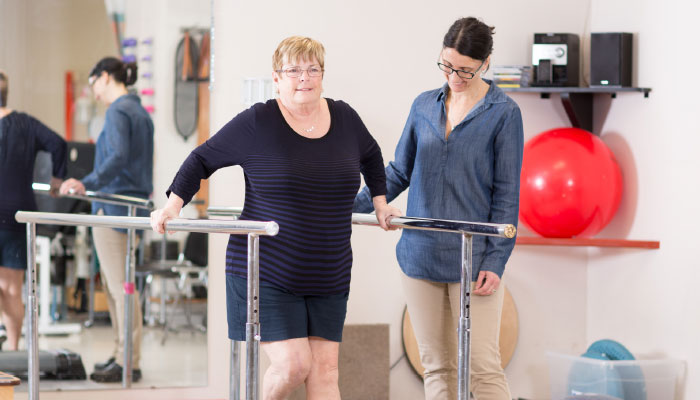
460	72
295	72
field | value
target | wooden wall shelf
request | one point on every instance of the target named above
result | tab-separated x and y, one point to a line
592	242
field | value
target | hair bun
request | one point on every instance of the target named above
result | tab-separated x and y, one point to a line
130	73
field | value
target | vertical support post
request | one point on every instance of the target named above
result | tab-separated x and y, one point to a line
91	288
464	321
252	326
235	380
31	314
161	309
128	303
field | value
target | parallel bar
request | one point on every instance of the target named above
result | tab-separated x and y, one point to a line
144	223
108	198
224	211
129	304
32	315
467	229
252	326
464	350
91	292
234	392
442	225
252	228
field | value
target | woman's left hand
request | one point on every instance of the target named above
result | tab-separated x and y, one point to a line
486	283
385	213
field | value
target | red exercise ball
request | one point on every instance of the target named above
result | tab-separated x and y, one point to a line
570	184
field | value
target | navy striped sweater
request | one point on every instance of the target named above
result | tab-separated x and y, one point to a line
307	186
21	138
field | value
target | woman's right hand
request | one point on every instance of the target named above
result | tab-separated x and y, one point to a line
171	210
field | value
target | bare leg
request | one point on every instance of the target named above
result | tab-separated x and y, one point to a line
322	382
291	362
12	305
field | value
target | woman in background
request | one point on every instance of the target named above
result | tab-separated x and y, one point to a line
123	165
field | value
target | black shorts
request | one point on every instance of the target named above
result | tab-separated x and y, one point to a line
13	249
284	315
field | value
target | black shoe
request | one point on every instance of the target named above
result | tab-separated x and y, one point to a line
113	373
103	365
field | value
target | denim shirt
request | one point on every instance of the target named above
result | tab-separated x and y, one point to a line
474	175
123	155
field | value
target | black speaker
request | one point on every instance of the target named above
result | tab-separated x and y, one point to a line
611	59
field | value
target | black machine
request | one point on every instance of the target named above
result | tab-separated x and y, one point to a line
555	59
53	364
611	59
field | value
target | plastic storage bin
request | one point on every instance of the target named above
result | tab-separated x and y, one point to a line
573	377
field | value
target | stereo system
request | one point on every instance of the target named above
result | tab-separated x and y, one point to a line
556	59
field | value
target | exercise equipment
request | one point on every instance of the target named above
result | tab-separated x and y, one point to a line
53	364
619	381
571	184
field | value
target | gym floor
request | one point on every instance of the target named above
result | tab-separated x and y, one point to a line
180	361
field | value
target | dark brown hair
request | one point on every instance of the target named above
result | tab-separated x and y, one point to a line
4	86
470	37
122	72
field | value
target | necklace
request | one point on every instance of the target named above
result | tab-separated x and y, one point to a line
306	130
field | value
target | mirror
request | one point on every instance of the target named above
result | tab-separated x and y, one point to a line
48	52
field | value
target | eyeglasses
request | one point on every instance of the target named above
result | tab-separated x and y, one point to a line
295	72
460	72
92	79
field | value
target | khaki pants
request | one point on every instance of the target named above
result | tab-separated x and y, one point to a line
111	251
434	310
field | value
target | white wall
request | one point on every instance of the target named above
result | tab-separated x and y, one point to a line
646	299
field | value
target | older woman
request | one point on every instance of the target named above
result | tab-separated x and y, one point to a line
21	138
302	156
460	153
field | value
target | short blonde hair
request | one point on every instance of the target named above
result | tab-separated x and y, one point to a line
3	88
297	48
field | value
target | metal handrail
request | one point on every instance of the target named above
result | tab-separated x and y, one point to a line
236	227
466	229
430	224
108	198
252	228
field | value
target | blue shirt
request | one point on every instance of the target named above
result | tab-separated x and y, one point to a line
474	175
123	155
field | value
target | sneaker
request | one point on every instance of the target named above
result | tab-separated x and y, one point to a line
103	365
113	373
